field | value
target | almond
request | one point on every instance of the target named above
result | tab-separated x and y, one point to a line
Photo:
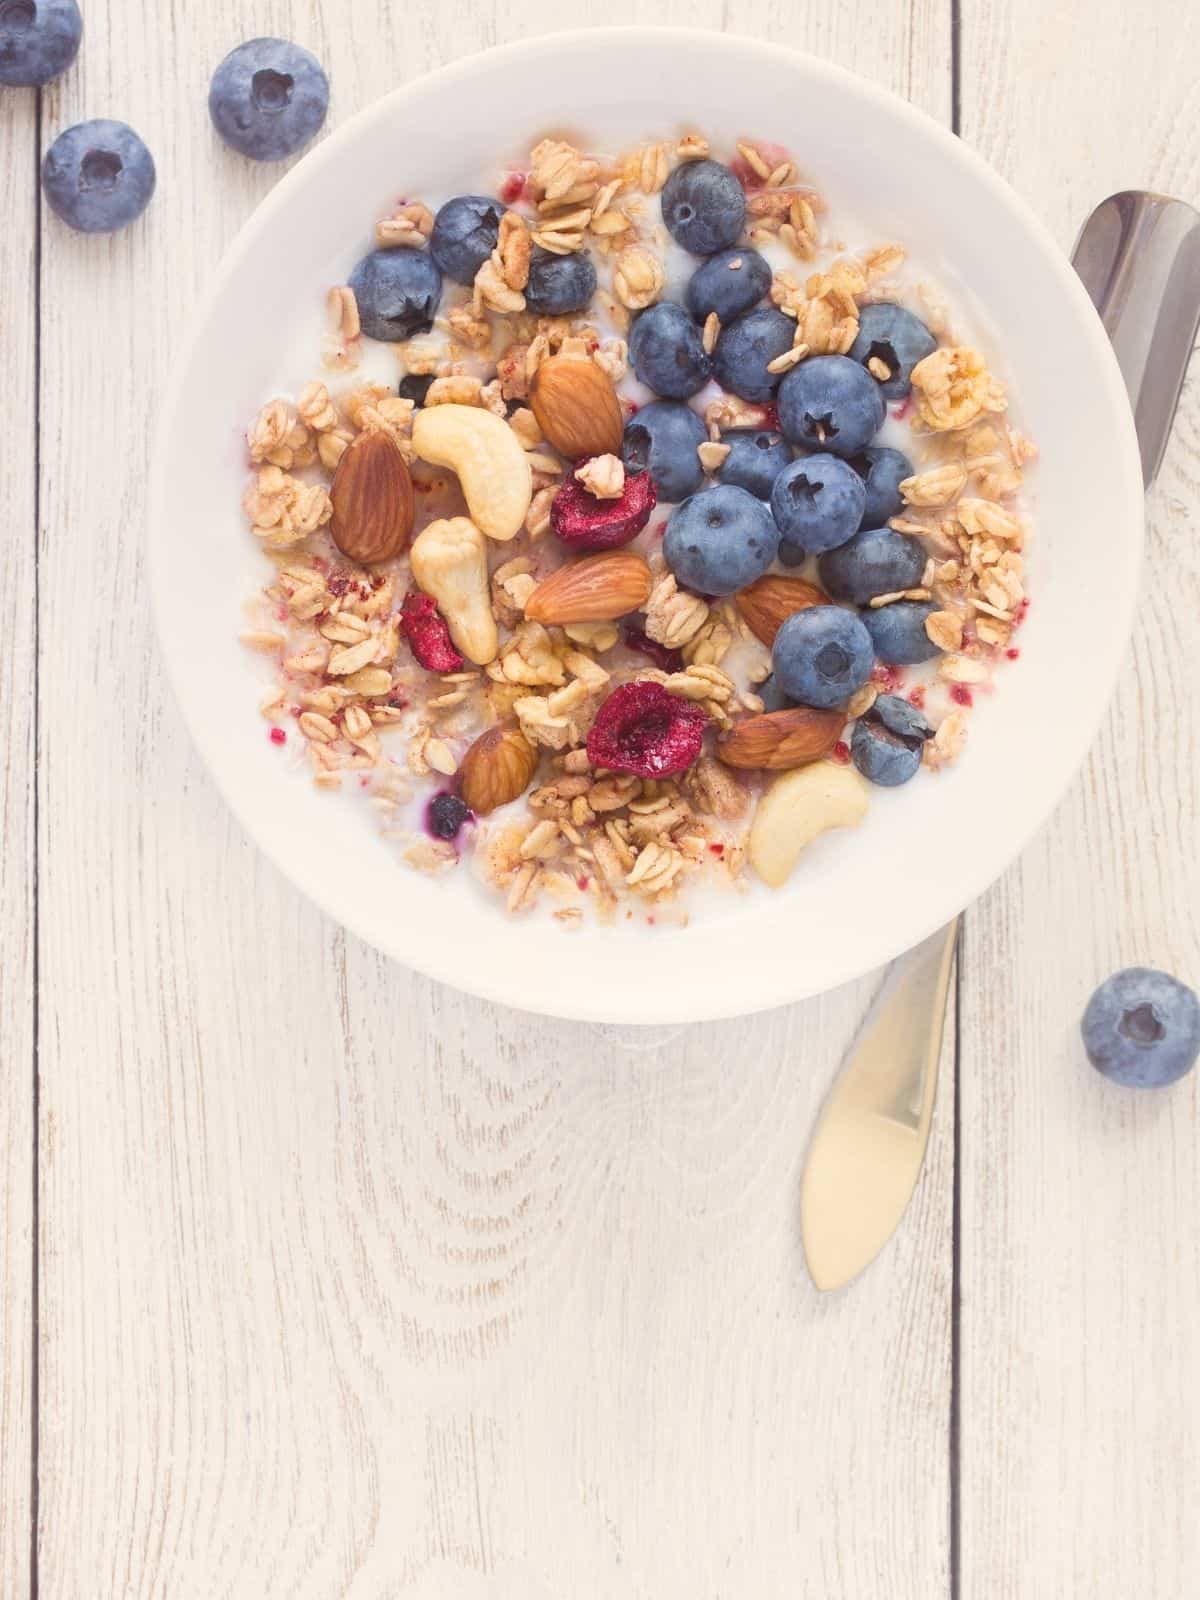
766	604
777	740
497	768
597	589
372	497
577	408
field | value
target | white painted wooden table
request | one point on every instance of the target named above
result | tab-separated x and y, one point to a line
320	1280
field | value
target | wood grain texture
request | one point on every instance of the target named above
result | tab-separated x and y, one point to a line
1080	1317
352	1286
18	675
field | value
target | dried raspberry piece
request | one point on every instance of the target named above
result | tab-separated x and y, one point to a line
583	522
426	631
642	729
635	638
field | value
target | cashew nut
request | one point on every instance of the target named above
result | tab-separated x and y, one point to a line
487	456
796	809
449	561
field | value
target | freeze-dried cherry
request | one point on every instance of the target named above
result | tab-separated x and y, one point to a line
425	629
584	522
642	729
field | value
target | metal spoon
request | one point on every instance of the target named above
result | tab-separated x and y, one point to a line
1139	258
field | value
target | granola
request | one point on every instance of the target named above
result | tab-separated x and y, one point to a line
579	745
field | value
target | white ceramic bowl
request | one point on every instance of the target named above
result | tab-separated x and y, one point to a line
926	850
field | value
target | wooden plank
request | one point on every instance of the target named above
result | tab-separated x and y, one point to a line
18	607
1080	1321
353	1285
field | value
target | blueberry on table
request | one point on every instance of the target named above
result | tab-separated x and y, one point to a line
727	284
98	176
817	502
464	235
38	40
662	439
268	98
756	458
703	206
745	349
397	293
890	335
1142	1028
559	285
887	741
720	540
883	470
830	403
876	561
667	352
898	632
821	656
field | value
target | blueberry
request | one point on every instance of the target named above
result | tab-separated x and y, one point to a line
397	292
890	334
268	98
38	40
822	656
883	470
445	815
745	348
1142	1028
876	561
415	386
662	439
755	460
728	283
720	540
830	403
898	632
791	554
817	502
772	696
464	235
887	741
559	285
703	206
98	176
667	353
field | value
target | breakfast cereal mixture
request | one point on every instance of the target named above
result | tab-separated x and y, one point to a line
679	530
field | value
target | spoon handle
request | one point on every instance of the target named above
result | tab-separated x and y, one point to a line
1139	257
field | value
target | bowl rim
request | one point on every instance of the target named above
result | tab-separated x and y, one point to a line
715	1003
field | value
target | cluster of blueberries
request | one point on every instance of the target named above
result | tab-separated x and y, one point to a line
267	99
833	500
